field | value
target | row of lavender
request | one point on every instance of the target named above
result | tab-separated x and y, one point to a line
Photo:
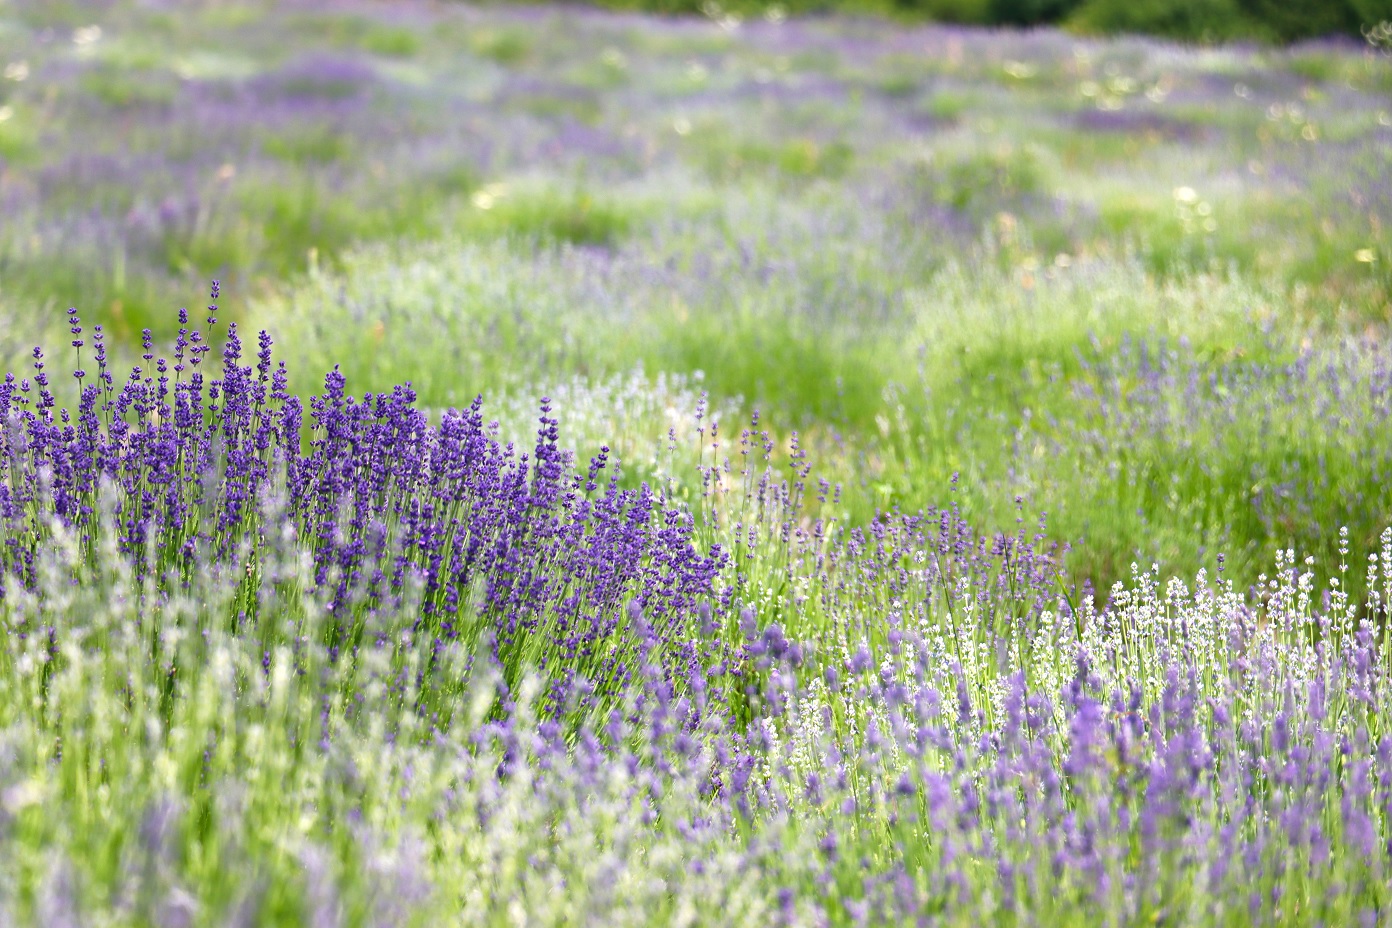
511	543
404	673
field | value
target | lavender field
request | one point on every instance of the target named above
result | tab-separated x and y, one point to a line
721	471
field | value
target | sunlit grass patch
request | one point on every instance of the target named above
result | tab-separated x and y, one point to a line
949	106
1000	376
1182	232
18	135
727	159
124	85
507	46
1250	449
550	216
129	301
1171	485
797	377
370	35
564	103
314	143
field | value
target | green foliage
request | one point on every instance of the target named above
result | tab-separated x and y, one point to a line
1371	12
1029	12
1195	20
1290	20
949	11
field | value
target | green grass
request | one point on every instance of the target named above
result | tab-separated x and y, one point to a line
549	217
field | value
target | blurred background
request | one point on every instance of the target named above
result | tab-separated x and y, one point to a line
1195	20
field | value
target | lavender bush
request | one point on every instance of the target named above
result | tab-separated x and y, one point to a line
490	532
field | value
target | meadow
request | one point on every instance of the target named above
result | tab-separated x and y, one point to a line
725	470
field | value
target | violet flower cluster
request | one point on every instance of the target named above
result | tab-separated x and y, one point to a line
510	547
